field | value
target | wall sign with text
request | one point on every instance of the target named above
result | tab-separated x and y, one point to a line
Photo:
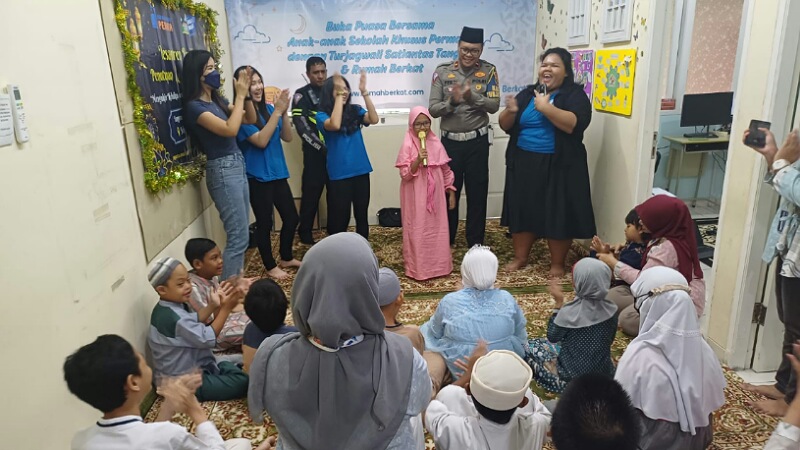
156	34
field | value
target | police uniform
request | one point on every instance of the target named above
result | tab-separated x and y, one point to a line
465	135
305	104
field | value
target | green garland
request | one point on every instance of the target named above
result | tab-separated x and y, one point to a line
156	159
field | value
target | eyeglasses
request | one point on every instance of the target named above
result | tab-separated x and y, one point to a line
422	125
637	304
470	51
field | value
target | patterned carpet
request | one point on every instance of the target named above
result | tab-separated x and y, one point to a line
736	425
387	243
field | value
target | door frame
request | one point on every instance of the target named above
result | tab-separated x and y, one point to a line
778	107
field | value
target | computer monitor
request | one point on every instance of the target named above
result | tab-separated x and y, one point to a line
704	110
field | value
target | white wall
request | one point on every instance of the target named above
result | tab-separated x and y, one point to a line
73	262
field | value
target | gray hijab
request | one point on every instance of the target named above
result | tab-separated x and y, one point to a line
591	278
330	395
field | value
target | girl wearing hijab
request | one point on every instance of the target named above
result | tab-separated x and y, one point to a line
340	382
580	333
671	374
426	177
672	244
348	164
478	311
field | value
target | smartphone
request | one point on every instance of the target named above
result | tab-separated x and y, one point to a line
542	89
757	138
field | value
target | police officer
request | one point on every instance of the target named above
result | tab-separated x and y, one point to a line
463	94
315	174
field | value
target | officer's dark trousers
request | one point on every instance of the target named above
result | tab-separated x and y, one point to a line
470	165
315	176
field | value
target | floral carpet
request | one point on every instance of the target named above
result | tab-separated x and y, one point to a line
736	425
387	243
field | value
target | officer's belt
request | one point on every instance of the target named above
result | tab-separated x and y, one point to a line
466	136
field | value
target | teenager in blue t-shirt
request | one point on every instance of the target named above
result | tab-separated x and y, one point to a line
267	174
212	123
348	164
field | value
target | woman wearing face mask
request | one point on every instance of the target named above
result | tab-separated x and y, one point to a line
212	123
267	173
547	191
348	164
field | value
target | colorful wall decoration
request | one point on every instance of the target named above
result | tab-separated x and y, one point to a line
614	72
156	34
583	66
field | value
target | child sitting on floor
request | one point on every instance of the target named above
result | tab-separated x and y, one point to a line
631	251
206	260
391	299
580	333
266	305
111	376
180	343
490	406
595	413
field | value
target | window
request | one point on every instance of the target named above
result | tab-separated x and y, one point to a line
617	20
578	27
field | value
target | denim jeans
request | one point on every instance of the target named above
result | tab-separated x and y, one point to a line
227	183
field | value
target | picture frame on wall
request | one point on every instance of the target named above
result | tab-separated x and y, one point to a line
579	19
617	21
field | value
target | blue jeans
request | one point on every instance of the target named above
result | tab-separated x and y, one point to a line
227	183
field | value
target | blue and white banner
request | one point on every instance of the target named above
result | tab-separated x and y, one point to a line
398	43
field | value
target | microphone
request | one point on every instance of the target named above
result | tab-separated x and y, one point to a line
422	135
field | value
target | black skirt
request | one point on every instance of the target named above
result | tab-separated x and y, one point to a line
548	199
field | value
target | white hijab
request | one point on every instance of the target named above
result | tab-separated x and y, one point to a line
479	268
670	350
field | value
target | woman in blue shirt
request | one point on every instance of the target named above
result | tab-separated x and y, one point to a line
212	123
267	174
547	191
348	164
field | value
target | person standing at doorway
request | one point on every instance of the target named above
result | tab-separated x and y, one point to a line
305	105
463	94
783	245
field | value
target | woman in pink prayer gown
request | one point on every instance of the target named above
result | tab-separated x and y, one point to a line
423	203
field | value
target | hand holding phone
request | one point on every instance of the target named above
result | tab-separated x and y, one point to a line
755	137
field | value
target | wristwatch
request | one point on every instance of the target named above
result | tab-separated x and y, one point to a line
779	164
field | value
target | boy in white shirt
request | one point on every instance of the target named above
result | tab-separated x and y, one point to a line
111	376
489	407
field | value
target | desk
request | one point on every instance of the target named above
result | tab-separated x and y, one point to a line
680	146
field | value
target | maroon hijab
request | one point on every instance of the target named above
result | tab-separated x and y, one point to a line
668	217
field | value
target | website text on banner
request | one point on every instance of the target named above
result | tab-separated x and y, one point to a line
399	44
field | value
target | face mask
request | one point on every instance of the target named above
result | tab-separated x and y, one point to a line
213	80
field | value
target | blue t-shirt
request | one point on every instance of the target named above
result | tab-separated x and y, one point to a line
537	134
263	164
213	145
347	154
253	336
